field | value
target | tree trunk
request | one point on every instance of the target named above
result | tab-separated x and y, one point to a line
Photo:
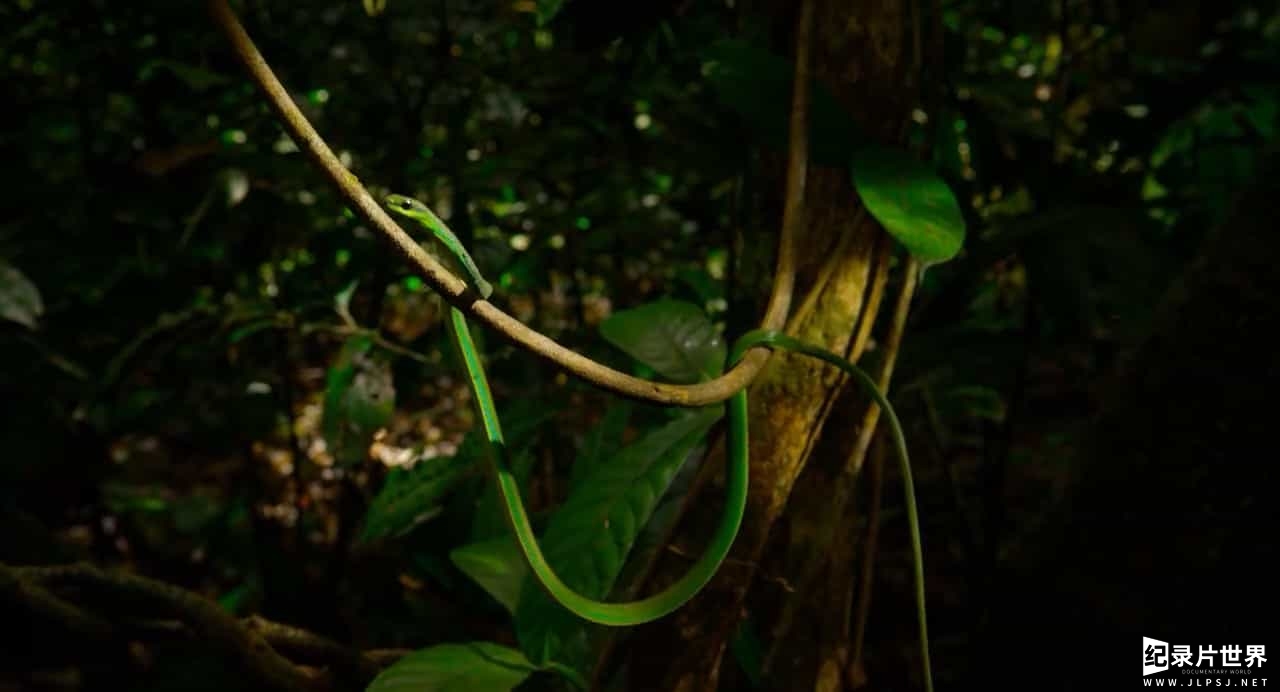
858	53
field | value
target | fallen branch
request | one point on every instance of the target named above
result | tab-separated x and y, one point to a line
38	601
214	625
279	655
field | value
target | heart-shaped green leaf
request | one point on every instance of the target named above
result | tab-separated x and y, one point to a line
474	666
673	337
911	201
588	538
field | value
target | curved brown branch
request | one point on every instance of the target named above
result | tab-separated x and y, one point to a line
35	599
454	290
214	625
187	614
360	667
184	614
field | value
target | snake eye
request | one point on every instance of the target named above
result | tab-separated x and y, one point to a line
407	204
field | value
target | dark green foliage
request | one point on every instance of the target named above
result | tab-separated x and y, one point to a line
674	338
910	201
212	370
474	666
588	539
757	85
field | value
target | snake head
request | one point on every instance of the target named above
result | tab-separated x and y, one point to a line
403	205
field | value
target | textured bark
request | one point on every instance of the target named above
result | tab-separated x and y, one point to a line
858	53
808	642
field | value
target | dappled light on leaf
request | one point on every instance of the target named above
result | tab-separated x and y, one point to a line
913	204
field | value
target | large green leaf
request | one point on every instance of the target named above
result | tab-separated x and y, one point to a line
673	337
756	84
359	399
19	298
476	667
411	496
521	420
912	203
496	565
600	442
489	520
588	538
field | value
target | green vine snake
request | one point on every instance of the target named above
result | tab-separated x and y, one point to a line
663	603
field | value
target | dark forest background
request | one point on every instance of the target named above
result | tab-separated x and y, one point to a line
231	413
